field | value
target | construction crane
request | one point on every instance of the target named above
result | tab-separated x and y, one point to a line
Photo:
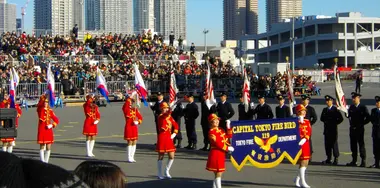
23	13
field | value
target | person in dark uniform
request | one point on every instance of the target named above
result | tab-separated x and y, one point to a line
156	108
358	116
204	121
263	110
191	113
331	118
177	114
224	110
311	116
243	115
282	111
358	84
375	120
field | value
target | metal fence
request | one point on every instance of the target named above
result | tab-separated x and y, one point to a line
372	76
67	59
32	89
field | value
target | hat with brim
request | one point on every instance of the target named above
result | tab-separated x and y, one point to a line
212	117
300	108
354	95
329	98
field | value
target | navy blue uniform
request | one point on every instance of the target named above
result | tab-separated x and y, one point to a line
191	113
375	120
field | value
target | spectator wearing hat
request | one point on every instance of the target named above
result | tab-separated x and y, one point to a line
177	114
205	111
331	118
305	134
263	110
133	119
219	148
375	120
359	116
243	114
47	120
165	138
90	126
9	143
191	113
224	110
97	174
310	115
282	111
156	108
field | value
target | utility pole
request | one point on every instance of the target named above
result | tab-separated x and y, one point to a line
205	33
293	39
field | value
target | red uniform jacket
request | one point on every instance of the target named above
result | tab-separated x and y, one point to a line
165	126
46	116
91	111
131	114
219	146
305	132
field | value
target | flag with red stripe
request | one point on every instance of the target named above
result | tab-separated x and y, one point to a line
173	90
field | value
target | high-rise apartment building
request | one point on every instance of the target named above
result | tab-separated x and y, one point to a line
144	17
277	10
78	14
109	15
170	16
7	17
53	17
240	17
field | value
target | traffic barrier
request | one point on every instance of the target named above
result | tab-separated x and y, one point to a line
32	90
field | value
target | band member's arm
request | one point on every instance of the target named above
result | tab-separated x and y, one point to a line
54	118
313	116
174	125
305	132
126	107
270	112
139	117
97	113
217	142
19	111
231	111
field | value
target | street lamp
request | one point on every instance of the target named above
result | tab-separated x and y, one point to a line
319	66
205	33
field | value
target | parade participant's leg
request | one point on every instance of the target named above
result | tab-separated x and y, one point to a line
218	179
362	148
194	137
205	129
129	151
47	154
159	165
169	165
42	152
10	147
297	179
133	150
376	152
178	137
88	146
188	134
327	149
303	166
92	144
335	150
354	148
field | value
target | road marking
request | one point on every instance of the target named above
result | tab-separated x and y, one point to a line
57	135
68	126
61	130
345	153
73	122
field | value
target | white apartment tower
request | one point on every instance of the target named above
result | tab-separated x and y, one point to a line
278	10
144	17
53	17
7	17
170	16
78	14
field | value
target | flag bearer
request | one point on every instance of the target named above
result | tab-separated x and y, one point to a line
90	127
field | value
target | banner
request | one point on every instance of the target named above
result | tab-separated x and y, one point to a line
265	143
340	99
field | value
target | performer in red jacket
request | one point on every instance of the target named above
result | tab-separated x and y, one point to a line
45	136
165	138
133	118
219	146
90	127
305	134
8	143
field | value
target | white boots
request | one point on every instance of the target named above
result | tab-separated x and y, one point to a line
131	150
167	169
90	147
45	156
217	183
300	180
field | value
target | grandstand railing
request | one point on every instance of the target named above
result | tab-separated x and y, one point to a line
67	59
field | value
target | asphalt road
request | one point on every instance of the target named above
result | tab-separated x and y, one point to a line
188	170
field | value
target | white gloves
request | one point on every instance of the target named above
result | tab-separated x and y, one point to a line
228	124
348	107
182	106
96	122
49	126
302	142
151	104
301	118
136	122
173	136
230	149
252	104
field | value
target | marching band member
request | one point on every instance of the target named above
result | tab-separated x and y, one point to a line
305	133
90	127
133	118
45	136
8	143
165	139
219	146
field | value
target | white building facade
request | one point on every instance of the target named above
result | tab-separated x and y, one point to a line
143	15
170	17
7	17
353	39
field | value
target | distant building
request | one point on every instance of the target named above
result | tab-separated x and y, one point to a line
79	14
143	15
18	24
7	17
224	54
277	10
353	39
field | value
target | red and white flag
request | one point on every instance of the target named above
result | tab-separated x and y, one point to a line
173	90
246	92
291	98
209	89
340	99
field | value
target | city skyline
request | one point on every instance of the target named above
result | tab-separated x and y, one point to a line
209	14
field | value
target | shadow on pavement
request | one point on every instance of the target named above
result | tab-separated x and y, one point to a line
372	176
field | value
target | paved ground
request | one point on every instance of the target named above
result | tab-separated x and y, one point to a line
189	167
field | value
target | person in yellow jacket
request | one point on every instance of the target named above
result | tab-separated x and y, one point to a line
87	37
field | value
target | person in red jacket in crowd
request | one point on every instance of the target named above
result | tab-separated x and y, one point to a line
9	143
47	120
305	134
219	146
90	127
133	118
165	138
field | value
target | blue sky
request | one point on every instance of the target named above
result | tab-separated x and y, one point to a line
209	14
